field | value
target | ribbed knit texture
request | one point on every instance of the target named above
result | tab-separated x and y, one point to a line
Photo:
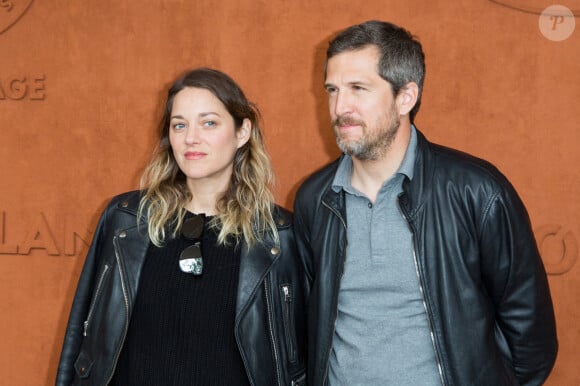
182	327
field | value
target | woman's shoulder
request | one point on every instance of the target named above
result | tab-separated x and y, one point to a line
127	201
123	207
282	217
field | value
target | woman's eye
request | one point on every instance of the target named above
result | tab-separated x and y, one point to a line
178	126
209	123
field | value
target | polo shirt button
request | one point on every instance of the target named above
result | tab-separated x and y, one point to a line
370	205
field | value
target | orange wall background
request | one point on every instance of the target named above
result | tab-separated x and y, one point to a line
80	90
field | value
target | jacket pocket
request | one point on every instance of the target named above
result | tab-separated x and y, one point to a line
96	298
83	366
289	329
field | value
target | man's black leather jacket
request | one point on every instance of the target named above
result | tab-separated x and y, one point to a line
270	316
483	283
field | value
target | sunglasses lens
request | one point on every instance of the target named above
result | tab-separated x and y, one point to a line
192	228
191	261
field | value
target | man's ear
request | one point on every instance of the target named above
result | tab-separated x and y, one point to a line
244	132
407	98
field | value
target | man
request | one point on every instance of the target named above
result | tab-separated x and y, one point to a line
421	259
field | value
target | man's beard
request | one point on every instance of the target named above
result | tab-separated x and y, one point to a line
374	144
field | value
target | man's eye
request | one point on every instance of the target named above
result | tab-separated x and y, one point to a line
330	90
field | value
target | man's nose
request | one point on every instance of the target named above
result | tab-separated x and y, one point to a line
341	104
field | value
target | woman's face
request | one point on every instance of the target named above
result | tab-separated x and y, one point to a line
203	137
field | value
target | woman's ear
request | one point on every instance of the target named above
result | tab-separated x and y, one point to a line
244	132
407	98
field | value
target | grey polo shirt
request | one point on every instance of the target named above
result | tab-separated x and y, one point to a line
381	334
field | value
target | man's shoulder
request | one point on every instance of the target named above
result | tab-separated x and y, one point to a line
319	181
454	166
456	161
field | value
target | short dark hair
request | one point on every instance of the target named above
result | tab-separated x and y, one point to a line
401	56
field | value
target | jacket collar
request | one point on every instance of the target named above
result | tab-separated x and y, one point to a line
334	200
415	190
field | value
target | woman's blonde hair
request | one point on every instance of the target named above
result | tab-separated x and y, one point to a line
245	210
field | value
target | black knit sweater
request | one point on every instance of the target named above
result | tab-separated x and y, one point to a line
182	326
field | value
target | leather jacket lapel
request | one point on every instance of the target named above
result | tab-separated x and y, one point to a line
131	246
254	266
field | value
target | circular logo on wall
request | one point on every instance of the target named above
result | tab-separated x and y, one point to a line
557	23
558	247
11	11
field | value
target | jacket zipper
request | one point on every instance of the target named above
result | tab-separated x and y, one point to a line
289	322
126	299
421	290
95	299
271	330
324	379
437	354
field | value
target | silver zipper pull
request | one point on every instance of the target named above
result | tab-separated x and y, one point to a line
286	290
85	326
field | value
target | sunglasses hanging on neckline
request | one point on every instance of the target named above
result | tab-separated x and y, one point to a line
190	259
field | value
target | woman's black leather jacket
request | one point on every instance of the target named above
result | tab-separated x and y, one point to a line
270	314
483	283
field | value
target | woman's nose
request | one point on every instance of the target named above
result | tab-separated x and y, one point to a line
192	134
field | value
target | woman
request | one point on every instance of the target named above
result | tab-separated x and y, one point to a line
193	280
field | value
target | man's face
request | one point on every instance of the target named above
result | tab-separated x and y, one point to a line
363	111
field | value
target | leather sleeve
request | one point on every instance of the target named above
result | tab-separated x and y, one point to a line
515	279
81	302
302	232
